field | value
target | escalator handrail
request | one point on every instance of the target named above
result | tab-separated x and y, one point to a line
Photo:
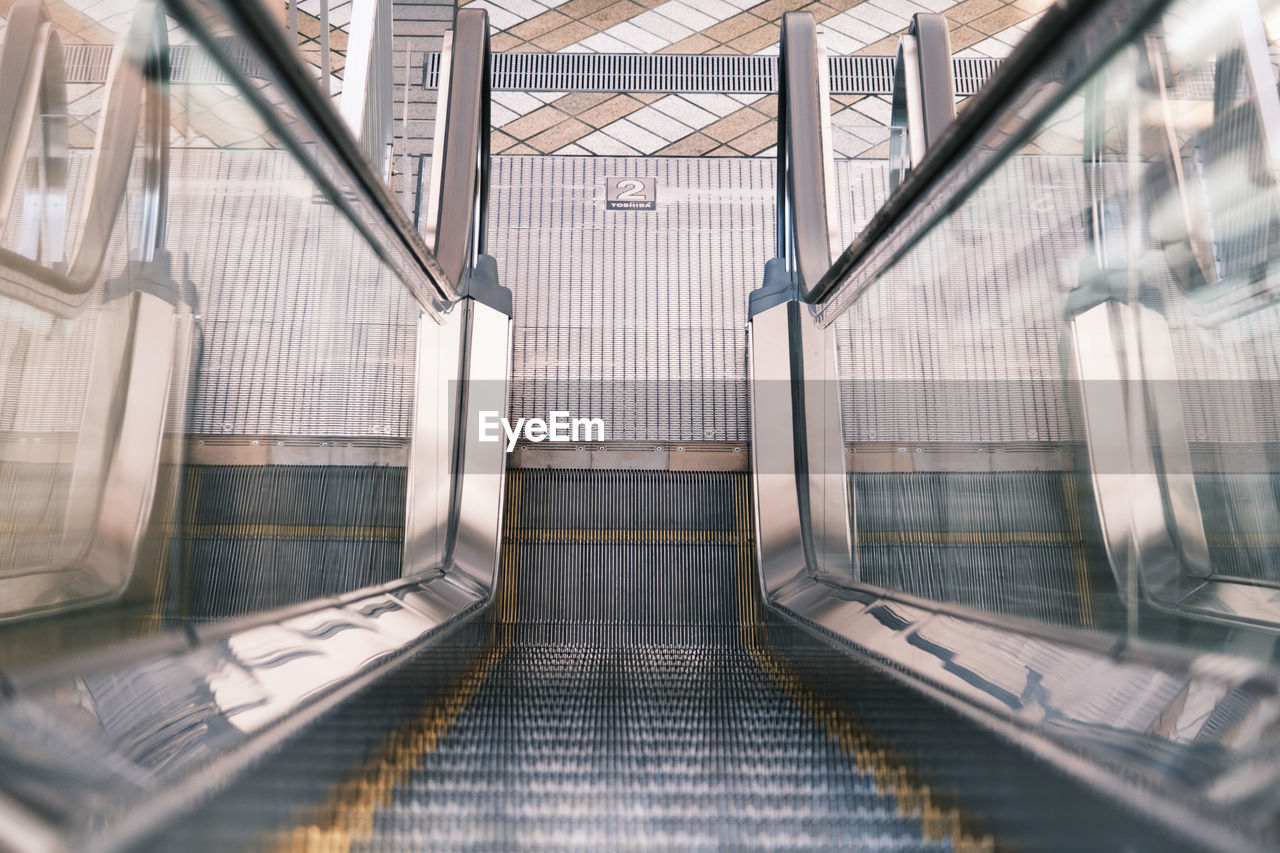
463	198
299	114
804	214
1072	40
30	55
923	104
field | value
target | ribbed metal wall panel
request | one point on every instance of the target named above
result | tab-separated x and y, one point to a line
304	331
1009	542
638	318
625	557
258	537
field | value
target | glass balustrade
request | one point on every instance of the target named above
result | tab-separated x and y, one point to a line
1060	401
206	364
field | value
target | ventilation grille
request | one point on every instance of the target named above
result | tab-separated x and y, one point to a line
972	73
861	75
584	72
737	75
634	72
88	63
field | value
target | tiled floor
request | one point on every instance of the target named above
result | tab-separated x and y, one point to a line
602	124
715	125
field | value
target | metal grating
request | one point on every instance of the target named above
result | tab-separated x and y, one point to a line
859	75
585	72
670	72
88	63
971	74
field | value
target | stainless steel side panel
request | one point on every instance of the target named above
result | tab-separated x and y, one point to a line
435	422
779	536
483	465
1148	511
825	484
102	752
802	502
1139	723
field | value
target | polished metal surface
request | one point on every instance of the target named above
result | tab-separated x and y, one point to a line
458	205
130	742
143	330
806	218
432	462
1065	696
1143	474
480	467
454	514
1070	40
924	87
798	450
1218	238
44	277
780	551
203	317
628	689
798	465
1143	722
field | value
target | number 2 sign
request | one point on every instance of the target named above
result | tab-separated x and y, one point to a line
631	194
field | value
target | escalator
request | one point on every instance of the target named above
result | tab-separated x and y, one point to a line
905	546
628	689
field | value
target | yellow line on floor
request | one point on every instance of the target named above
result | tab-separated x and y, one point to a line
892	772
1079	563
347	815
294	531
965	537
583	534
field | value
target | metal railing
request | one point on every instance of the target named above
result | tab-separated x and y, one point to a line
456	482
924	92
453	514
